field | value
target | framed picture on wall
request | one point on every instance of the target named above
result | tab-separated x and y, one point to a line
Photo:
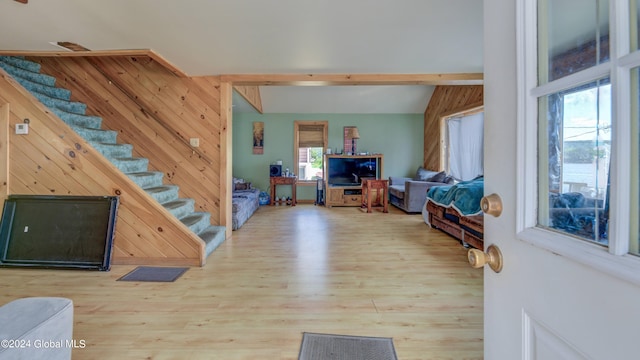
258	137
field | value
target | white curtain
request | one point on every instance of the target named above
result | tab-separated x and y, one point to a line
465	140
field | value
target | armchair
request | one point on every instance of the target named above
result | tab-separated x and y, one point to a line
410	194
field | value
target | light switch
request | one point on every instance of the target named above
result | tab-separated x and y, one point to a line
195	142
22	129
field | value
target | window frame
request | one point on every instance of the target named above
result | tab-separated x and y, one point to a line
296	145
613	259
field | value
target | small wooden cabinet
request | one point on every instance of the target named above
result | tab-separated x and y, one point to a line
344	196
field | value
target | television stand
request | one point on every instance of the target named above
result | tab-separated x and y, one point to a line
343	196
340	188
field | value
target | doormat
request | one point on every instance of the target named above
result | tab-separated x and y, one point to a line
345	347
154	274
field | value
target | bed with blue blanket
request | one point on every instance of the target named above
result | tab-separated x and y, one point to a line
455	209
244	203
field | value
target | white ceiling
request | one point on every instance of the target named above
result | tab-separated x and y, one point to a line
214	37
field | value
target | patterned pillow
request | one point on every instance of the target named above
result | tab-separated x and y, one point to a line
243	186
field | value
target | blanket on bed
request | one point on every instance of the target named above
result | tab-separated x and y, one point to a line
464	196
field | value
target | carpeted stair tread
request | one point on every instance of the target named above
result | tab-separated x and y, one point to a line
197	221
35	77
87	121
131	165
147	179
96	135
113	150
55	92
164	193
213	236
180	207
68	106
21	63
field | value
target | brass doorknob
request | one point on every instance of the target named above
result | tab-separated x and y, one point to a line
493	257
491	204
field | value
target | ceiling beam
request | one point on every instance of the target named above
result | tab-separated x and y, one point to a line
353	79
283	79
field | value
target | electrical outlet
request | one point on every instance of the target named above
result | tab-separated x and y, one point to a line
22	129
195	142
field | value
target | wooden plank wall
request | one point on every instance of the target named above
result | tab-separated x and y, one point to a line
252	95
156	111
53	159
445	100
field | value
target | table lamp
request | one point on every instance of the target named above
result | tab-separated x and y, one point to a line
354	134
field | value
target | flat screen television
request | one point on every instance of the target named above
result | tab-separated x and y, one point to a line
74	232
349	171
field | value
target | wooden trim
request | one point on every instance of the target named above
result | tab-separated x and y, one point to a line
100	53
71	46
306	201
4	148
252	95
226	157
355	79
465	111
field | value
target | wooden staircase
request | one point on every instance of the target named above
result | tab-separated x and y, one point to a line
57	99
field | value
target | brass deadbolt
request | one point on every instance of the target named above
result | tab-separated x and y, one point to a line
493	257
491	204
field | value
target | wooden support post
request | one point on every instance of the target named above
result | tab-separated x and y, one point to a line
226	169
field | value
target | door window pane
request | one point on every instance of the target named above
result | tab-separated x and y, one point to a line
573	35
575	150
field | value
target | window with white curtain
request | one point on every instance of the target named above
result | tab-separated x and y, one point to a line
465	146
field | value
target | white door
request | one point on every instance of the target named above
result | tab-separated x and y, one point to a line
559	295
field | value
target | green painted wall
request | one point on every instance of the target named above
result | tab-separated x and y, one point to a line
398	136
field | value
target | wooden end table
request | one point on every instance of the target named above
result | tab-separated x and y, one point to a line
274	181
382	189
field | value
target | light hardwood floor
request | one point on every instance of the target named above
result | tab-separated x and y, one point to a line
288	270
